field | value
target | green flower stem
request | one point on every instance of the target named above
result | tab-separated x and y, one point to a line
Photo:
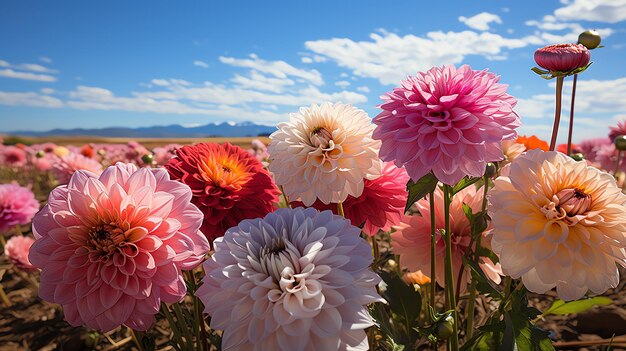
170	319
557	112
619	158
433	250
469	327
135	339
340	209
376	250
453	342
180	317
571	117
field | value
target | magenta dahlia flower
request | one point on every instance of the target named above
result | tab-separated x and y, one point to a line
17	249
228	184
619	129
562	58
449	121
17	206
298	279
111	248
12	156
380	206
64	167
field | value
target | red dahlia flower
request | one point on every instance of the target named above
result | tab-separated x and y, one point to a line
228	184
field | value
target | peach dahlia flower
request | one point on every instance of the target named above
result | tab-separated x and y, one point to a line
559	223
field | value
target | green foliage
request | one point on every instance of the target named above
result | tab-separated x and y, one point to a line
417	190
464	183
562	307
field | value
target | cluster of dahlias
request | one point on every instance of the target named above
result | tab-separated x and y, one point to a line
112	243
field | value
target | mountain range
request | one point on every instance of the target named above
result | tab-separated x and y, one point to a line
242	129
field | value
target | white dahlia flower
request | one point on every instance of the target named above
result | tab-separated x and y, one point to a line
298	279
558	223
324	152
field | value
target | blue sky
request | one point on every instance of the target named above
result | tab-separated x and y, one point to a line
119	63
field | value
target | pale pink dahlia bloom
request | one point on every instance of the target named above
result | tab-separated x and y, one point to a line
449	121
324	152
411	240
558	222
64	167
297	279
17	206
17	249
112	248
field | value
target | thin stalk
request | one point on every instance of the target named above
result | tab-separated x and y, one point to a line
571	117
282	191
469	327
433	249
449	276
180	317
340	209
619	158
135	339
557	112
376	250
170	319
4	297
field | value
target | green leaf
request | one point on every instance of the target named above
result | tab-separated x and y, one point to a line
483	284
464	183
539	71
419	189
562	307
485	252
403	299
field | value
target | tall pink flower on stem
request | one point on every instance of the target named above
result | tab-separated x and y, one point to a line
380	206
111	248
449	121
559	223
562	60
17	206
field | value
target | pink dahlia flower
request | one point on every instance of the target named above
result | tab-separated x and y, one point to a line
12	156
111	248
64	167
412	239
380	206
562	57
165	153
590	147
17	206
297	279
449	121
559	223
619	129
17	249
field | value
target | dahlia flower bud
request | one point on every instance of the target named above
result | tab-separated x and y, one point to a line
491	170
147	159
574	201
578	156
563	59
620	142
40	154
590	39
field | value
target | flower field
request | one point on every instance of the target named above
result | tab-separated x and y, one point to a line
433	225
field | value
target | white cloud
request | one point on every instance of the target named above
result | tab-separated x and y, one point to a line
279	69
201	64
33	67
342	84
47	91
9	73
45	59
29	99
609	11
306	59
160	82
569	31
363	89
390	58
481	21
257	81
